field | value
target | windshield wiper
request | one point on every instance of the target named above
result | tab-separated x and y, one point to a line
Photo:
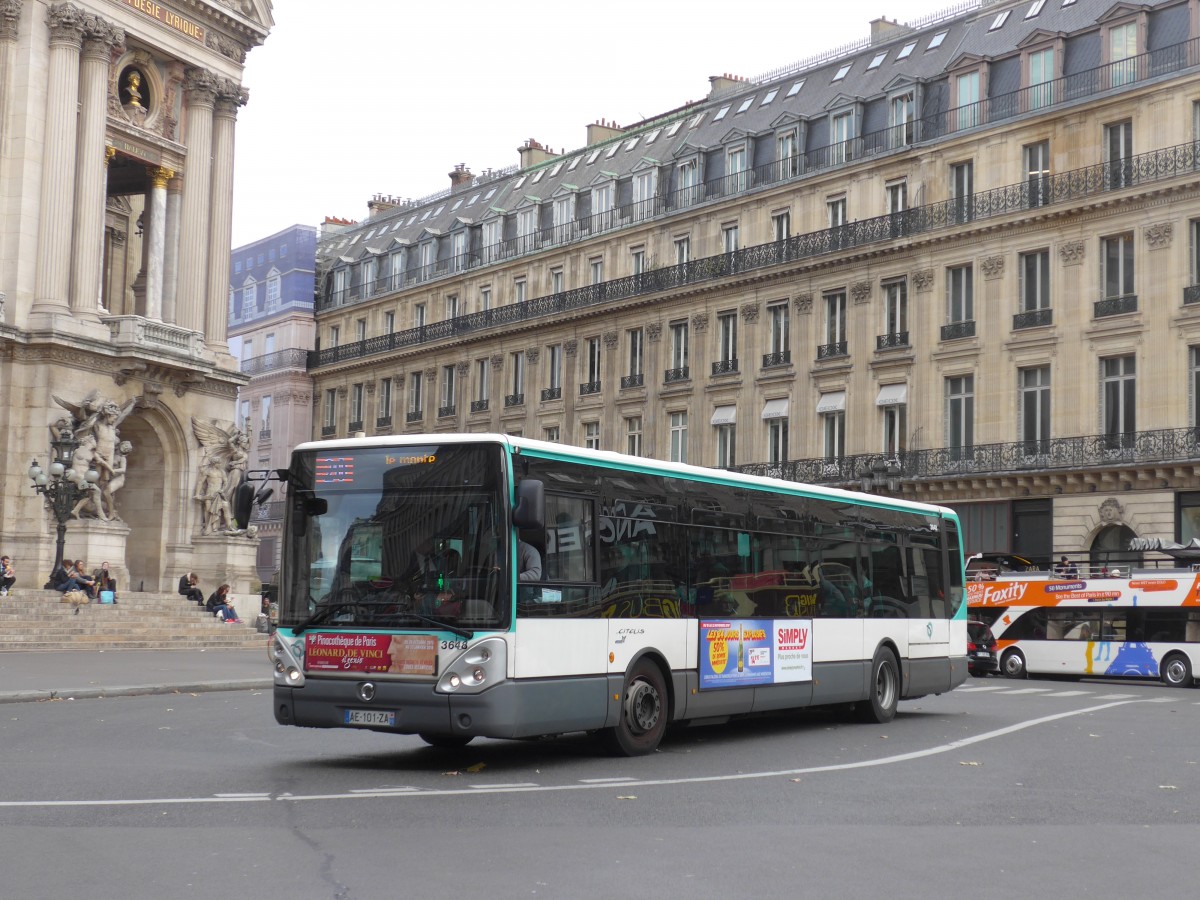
440	623
324	612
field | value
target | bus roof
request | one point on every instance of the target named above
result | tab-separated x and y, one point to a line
610	459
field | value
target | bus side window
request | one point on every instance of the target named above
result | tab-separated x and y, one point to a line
570	528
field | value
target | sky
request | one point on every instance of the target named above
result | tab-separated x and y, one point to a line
355	98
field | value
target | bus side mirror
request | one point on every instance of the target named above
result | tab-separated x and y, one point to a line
530	508
243	503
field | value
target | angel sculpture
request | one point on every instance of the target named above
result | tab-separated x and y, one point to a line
222	468
94	423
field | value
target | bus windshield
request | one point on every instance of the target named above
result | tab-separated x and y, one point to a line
396	538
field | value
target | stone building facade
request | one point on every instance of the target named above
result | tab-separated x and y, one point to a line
957	262
116	176
271	329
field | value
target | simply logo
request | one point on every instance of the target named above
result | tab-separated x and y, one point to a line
929	629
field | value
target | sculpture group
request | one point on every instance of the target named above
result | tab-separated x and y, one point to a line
222	470
94	424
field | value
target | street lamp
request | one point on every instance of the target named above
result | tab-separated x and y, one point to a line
879	476
62	487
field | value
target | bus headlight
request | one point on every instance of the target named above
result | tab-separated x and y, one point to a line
476	668
287	659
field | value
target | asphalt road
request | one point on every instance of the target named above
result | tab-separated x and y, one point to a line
1036	788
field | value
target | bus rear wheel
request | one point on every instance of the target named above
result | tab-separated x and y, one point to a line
1012	664
880	707
643	712
1176	671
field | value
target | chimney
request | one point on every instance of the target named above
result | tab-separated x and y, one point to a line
601	130
722	84
380	204
533	153
460	178
334	225
884	30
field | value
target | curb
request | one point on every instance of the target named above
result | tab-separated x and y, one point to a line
137	690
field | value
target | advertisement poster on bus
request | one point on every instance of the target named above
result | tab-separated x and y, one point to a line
396	654
754	651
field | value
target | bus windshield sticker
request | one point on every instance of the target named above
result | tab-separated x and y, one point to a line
396	654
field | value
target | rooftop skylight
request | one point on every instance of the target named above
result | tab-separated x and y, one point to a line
745	105
877	61
795	88
720	114
770	96
906	50
936	40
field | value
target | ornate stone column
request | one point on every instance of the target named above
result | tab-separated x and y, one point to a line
192	282
230	95
87	243
57	208
171	250
156	239
10	21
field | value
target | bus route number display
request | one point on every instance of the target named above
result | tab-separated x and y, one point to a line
748	652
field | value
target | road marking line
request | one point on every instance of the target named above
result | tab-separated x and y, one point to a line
981	689
1069	694
1116	696
654	782
503	787
606	780
1028	691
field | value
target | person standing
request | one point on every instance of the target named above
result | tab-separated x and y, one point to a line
105	581
8	575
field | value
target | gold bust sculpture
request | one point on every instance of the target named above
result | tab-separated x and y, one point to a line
132	82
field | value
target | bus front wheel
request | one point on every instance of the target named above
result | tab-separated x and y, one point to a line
643	712
1176	671
880	707
1013	664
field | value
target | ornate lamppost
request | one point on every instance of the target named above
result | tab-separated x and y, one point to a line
879	477
62	487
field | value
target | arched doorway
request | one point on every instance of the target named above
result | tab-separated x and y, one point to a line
1110	547
141	504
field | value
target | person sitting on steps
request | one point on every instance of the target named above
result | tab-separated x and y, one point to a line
189	586
8	575
219	605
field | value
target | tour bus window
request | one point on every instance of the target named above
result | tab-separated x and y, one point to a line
1031	625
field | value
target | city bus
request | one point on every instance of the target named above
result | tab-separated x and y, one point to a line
457	586
1124	623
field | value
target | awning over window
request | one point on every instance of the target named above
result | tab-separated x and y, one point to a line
834	401
776	409
892	395
724	415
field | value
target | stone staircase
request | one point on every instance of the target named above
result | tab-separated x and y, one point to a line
33	619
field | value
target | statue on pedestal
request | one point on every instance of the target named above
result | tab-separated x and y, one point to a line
222	471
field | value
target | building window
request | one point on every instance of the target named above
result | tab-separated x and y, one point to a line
602	205
688	182
389	322
1118	379
962	186
726	439
449	392
645	184
1122	48
727	354
248	300
633	435
244	415
735	169
1117	260
385	399
552	434
836	208
777	441
360	329
679	349
960	415
483	378
593	361
902	120
485	299
591	435
960	294
833	425
519	295
841	130
683	250
729	238
452	309
556	280
1194	385
787	155
335	335
897	197
895	312
272	293
1035	280
678	432
835	320
554	370
356	406
1118	154
781	225
779	338
396	264
416	396
895	428
517	360
966	100
635	340
1035	410
597	270
1037	168
637	257
564	218
330	419
1041	78
418	315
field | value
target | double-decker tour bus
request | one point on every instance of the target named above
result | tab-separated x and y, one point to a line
1094	621
455	586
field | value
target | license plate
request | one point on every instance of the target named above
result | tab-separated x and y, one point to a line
982	654
371	717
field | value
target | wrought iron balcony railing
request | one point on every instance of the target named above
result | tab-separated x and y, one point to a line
1065	187
1032	318
479	406
1115	306
1134	448
1191	294
589	387
683	373
445	412
382	422
957	330
328	430
771	360
264	435
414	415
632	381
272	362
725	367
514	400
551	393
832	351
891	341
354	426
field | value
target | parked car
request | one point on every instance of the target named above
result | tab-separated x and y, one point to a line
981	650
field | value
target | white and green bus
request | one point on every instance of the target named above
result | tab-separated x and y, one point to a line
457	586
